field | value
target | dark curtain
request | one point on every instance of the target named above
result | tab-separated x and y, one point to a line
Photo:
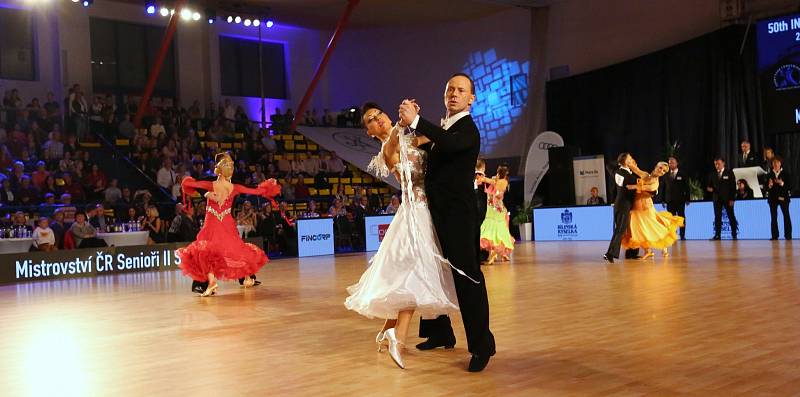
702	94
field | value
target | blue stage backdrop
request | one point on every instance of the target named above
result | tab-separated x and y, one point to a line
586	223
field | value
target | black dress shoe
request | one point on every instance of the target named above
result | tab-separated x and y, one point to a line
478	363
199	289
683	238
433	343
608	258
714	238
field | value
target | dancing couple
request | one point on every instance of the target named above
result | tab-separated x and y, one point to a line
636	222
219	253
428	260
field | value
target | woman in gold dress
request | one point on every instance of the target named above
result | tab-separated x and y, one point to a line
650	229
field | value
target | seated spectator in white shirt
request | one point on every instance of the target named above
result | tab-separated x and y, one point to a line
43	236
166	176
157	129
393	206
311	212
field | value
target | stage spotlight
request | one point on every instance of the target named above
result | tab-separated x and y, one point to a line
76	1
87	3
164	11
230	19
270	23
172	12
256	22
238	19
196	16
150	7
211	15
247	22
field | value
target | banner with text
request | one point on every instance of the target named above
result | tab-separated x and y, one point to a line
315	237
375	228
589	172
538	161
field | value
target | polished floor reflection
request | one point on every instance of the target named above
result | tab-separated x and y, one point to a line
715	318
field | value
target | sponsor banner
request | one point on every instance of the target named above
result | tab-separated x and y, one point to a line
315	237
589	172
375	228
538	161
596	222
573	223
31	266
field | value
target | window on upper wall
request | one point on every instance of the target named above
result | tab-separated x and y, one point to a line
17	55
238	65
123	54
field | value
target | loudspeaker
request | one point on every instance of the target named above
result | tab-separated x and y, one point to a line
561	180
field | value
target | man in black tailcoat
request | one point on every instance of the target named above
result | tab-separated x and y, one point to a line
449	182
722	186
481	201
623	204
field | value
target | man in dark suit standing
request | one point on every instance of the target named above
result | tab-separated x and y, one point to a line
449	182
676	191
481	203
779	191
623	203
747	158
722	186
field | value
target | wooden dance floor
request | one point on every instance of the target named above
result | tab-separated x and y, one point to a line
715	318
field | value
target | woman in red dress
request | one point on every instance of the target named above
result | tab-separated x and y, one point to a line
219	252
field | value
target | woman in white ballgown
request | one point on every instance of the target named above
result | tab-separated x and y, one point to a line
408	273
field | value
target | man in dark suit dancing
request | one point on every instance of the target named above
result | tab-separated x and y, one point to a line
449	182
676	191
722	186
622	205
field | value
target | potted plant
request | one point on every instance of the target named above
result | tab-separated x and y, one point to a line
523	219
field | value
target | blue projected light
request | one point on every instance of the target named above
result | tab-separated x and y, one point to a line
502	92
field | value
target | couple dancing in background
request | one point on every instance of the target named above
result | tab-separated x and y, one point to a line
428	260
636	222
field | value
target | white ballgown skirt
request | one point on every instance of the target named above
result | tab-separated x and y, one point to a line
407	272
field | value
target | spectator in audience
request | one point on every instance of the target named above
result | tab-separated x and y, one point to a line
287	191
97	217
79	111
247	218
743	191
722	186
131	215
74	189
286	229
335	165
374	199
595	198
112	193
767	156
337	209
166	175
301	191
52	110
157	129
95	175
393	206
126	128
59	227
67	208
779	194
27	193
7	195
142	199
175	191
126	200
39	177
43	236
21	221
267	225
183	227
84	233
152	224
311	212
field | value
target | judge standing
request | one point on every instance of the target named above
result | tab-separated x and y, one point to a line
722	186
779	191
676	192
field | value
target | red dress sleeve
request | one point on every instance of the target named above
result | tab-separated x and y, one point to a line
267	189
188	188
